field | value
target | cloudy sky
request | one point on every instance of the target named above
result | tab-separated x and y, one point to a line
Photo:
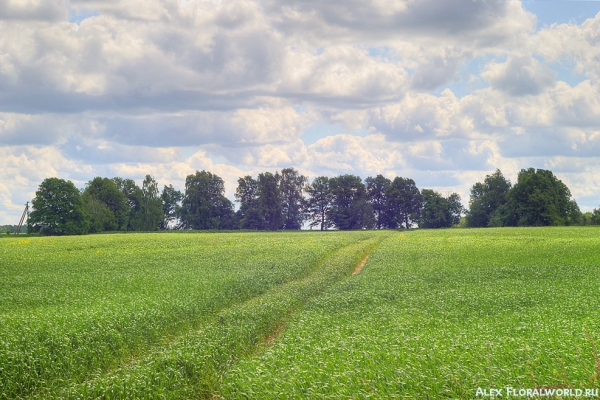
443	92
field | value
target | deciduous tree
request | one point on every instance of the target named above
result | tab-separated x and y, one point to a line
99	216
149	214
319	202
249	214
105	191
439	212
171	199
204	204
133	199
540	199
403	203
292	186
349	206
269	201
57	209
487	199
377	189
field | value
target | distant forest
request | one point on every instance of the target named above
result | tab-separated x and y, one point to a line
287	200
7	229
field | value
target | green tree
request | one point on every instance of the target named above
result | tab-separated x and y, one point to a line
319	202
204	205
149	214
403	203
455	208
269	201
377	189
133	201
540	199
171	207
439	212
99	216
105	191
349	206
57	209
11	228
487	199
595	217
292	186
586	218
249	214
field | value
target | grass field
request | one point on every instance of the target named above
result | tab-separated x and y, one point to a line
433	314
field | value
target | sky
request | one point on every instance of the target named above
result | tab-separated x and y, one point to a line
440	92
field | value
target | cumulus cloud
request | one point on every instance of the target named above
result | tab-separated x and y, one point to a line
168	87
343	74
419	116
573	44
237	128
42	10
520	76
481	22
437	71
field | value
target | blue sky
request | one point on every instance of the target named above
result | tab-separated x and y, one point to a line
550	12
441	92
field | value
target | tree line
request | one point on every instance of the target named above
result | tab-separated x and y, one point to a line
8	229
286	200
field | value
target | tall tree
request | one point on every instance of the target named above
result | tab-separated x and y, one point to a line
149	214
99	216
249	214
403	203
204	204
539	199
594	217
439	212
269	200
487	200
57	209
171	207
292	186
106	191
349	206
319	202
455	208
377	189
133	199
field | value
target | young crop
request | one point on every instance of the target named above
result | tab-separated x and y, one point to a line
432	314
439	314
73	308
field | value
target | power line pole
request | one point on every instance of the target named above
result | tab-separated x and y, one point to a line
25	213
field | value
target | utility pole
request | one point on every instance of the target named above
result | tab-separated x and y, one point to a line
25	213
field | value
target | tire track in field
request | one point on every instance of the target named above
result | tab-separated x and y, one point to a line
361	264
193	364
270	339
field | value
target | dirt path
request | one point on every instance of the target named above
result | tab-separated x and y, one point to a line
361	264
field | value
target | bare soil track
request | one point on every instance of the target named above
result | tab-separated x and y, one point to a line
361	264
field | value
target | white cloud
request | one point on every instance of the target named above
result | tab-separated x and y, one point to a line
49	10
419	116
344	73
520	76
436	71
135	85
242	127
481	23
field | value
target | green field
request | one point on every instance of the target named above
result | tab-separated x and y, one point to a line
433	314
